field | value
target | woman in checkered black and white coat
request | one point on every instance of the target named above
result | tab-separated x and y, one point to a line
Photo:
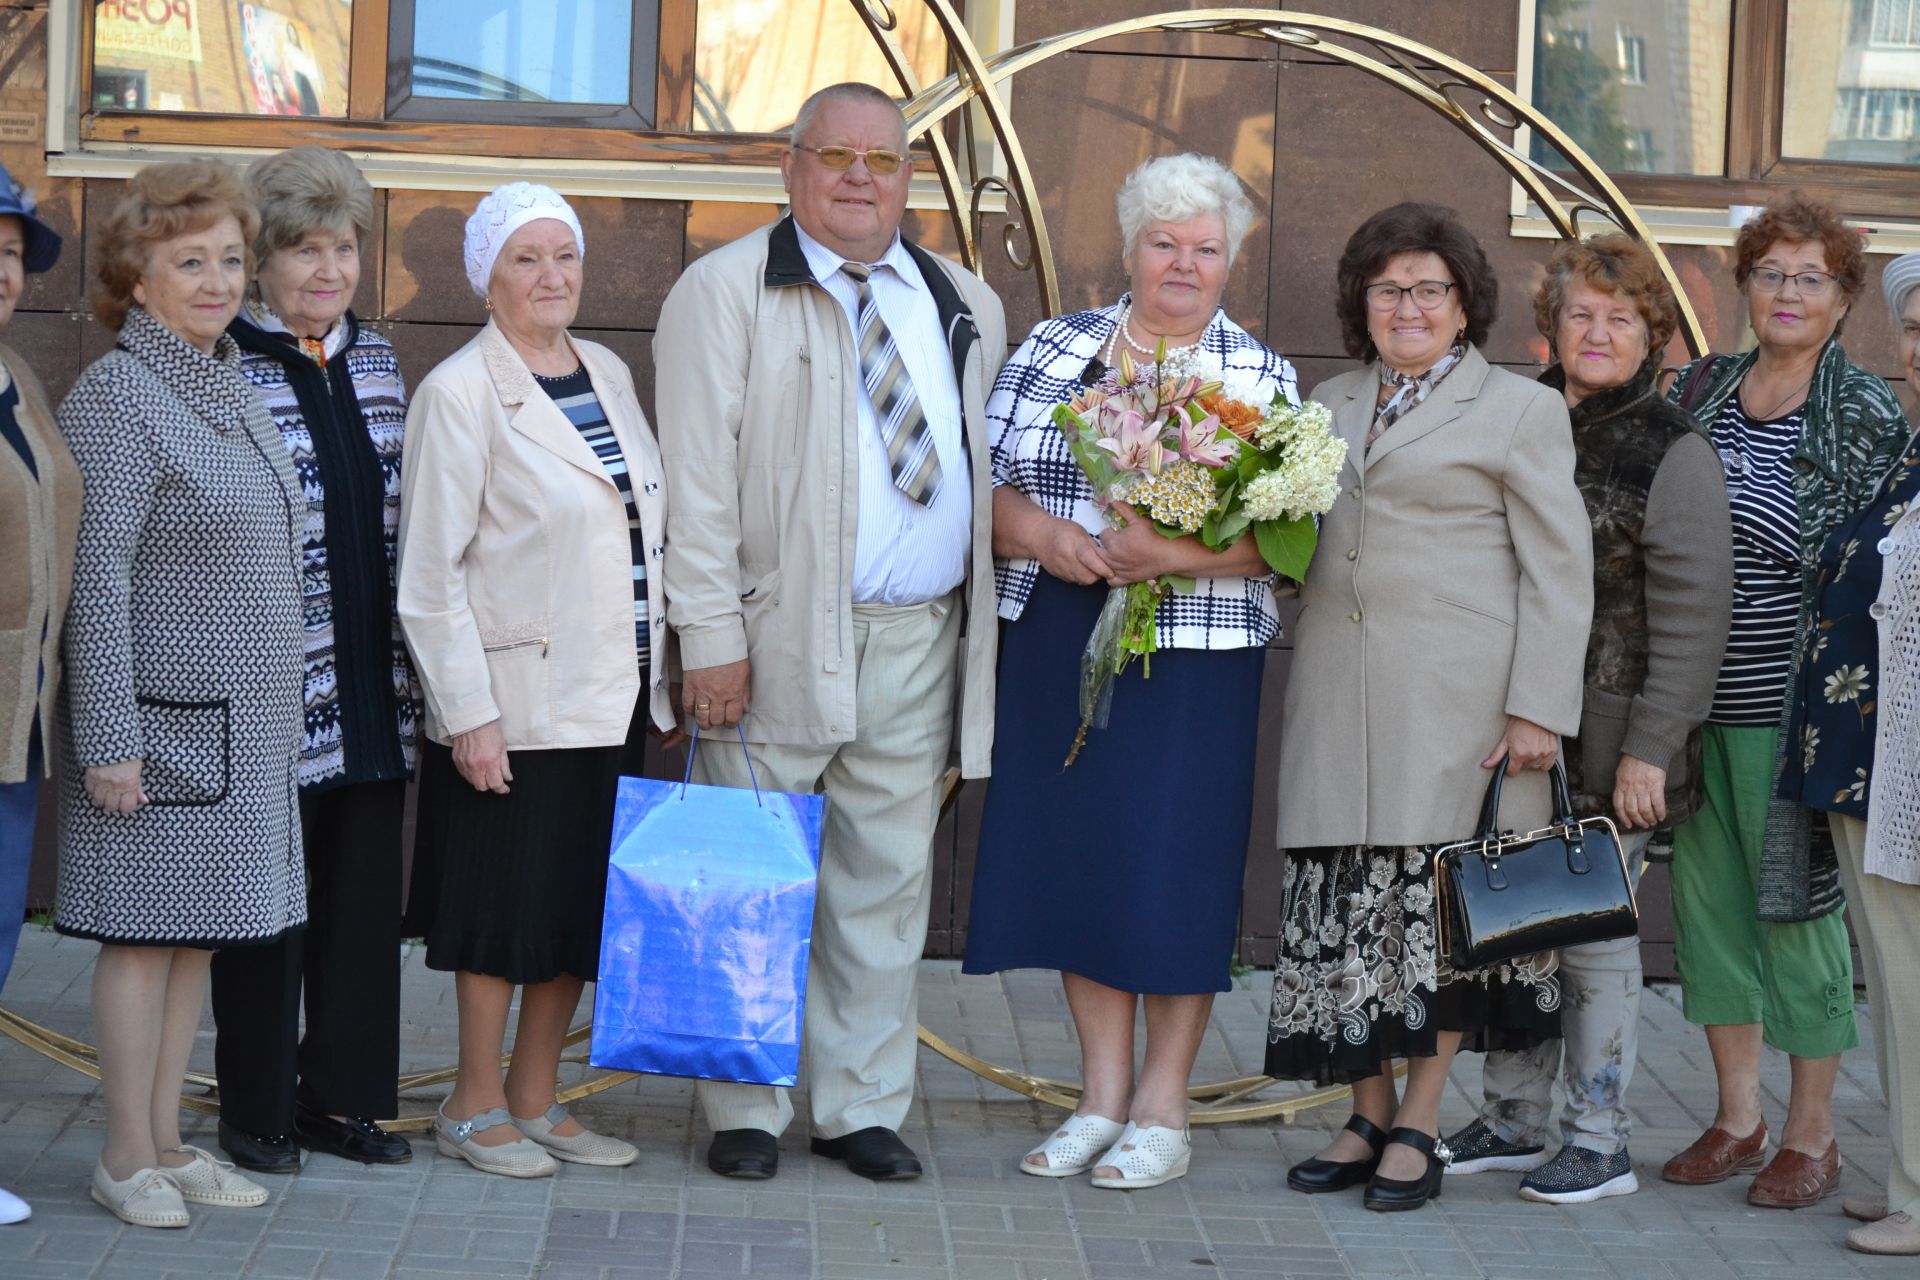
179	832
1132	892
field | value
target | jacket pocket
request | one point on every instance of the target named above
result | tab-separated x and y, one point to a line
189	751
1474	609
530	638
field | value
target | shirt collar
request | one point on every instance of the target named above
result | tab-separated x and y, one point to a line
826	263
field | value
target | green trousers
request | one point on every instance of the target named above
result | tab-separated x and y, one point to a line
1795	980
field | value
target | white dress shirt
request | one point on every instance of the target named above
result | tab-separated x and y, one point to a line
905	553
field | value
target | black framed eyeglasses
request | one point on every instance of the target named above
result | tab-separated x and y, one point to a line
878	160
1811	283
1427	294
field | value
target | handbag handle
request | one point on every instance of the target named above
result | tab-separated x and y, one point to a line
1490	807
693	747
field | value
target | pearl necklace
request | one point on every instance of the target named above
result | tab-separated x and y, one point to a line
1121	330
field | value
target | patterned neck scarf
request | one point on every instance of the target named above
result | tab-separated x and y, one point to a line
317	350
1409	389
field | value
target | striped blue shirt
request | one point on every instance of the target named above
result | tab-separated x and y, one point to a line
575	396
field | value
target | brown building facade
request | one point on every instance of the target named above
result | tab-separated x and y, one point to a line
667	164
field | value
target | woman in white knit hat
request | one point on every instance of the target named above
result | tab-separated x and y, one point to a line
531	538
1858	720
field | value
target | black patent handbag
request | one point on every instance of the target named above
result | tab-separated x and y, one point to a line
1501	895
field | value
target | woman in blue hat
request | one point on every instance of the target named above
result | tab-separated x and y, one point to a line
39	518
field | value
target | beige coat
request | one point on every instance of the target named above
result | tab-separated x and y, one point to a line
757	374
39	523
1453	587
515	586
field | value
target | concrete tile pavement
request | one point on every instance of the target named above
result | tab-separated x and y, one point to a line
973	1217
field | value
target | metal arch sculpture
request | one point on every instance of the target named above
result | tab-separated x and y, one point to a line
1471	101
1467	98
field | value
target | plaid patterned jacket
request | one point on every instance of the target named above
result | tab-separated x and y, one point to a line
1030	454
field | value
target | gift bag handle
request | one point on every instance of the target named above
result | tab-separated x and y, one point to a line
693	747
1490	807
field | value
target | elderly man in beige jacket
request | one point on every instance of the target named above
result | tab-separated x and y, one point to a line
821	407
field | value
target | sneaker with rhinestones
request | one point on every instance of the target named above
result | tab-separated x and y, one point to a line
1477	1149
1576	1175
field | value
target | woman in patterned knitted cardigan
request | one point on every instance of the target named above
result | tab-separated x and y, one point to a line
178	832
1804	435
335	393
1856	715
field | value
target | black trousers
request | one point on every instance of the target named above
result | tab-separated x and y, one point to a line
348	959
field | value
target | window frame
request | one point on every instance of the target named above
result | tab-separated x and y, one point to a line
368	126
639	111
1754	169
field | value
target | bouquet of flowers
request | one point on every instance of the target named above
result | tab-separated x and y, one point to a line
1201	452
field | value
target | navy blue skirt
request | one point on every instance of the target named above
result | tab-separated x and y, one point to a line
1126	868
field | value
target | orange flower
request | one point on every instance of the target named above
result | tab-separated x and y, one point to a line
1236	417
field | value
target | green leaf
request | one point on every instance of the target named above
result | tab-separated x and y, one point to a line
1179	584
1231	526
1167	531
1287	545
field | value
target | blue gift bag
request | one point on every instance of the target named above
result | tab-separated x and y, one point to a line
703	954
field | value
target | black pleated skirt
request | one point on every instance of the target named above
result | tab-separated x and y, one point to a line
514	886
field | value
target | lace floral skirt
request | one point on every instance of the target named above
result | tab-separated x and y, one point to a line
1360	979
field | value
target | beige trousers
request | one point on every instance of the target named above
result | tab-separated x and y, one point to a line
870	915
1886	915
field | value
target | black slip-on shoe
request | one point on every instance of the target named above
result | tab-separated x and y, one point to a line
744	1153
875	1153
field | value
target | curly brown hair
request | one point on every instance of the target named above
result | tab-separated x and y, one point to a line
1413	227
163	202
1614	264
1797	219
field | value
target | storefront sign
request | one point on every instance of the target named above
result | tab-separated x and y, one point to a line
135	32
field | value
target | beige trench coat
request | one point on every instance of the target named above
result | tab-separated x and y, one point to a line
756	377
1453	587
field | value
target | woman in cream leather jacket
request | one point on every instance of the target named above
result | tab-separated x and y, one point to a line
531	542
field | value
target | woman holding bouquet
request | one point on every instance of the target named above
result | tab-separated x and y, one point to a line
1121	872
1444	625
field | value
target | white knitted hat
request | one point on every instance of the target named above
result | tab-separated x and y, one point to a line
1898	281
503	211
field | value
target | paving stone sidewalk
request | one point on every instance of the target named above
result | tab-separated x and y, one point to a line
973	1217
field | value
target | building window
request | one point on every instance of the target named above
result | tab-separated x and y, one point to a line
288	58
1895	24
669	82
1745	101
1633	58
582	62
1675	122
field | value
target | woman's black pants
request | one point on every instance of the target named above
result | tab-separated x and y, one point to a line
348	960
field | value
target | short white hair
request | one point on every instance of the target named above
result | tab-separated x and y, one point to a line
1177	188
849	91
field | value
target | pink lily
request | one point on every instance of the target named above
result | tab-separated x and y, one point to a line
1198	442
1135	443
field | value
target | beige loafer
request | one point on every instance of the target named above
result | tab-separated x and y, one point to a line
215	1182
585	1147
147	1198
521	1159
1897	1235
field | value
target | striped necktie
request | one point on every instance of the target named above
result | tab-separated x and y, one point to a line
903	426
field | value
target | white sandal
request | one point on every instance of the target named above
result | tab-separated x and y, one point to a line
1074	1147
1145	1157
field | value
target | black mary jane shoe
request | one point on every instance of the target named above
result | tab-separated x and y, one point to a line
1317	1175
1394	1195
259	1153
875	1152
357	1138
